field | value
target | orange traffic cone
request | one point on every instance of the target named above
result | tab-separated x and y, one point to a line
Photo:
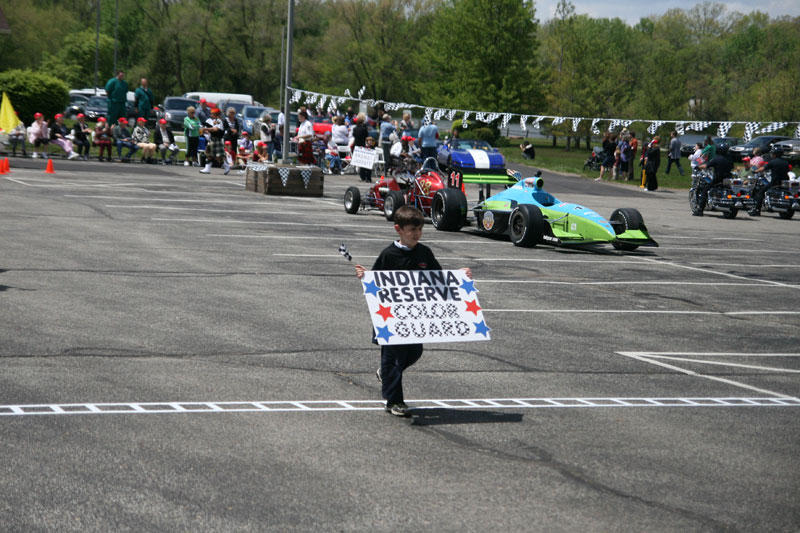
8	166
3	164
49	169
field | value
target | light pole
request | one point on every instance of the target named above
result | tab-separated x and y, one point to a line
96	48
281	92
286	105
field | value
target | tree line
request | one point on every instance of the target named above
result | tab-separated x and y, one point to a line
704	63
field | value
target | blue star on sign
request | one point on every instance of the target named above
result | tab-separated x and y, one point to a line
371	288
482	328
384	333
468	286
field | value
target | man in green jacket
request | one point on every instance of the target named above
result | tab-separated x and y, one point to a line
144	100
117	92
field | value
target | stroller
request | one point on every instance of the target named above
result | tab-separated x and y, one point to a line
595	160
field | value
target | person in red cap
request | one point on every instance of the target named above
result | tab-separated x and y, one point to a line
39	134
141	136
262	153
102	138
58	136
123	139
215	149
203	112
165	142
81	133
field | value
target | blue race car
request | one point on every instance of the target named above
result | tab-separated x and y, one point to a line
529	216
472	161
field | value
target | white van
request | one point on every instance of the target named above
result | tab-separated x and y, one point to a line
220	97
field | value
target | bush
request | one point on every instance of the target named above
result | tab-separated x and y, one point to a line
32	92
483	134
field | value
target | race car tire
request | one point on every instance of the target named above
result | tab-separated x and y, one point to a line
526	226
448	209
730	214
352	200
786	215
631	219
392	201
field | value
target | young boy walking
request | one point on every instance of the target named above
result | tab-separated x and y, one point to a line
406	253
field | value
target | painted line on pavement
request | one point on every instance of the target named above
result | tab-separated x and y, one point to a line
376	405
744	278
643	312
646	357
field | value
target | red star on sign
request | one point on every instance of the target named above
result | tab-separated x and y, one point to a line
473	307
385	311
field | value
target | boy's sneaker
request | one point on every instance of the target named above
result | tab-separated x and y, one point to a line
397	409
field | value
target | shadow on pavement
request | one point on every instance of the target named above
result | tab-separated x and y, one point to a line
441	417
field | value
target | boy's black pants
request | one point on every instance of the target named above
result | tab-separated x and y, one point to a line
394	360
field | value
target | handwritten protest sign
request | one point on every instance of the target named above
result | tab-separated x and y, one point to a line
421	306
363	157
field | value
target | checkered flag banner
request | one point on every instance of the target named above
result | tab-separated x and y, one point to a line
344	252
306	174
505	121
451	114
749	129
613	124
797	132
653	127
322	100
680	128
332	107
625	123
594	129
311	99
284	174
558	120
492	117
480	117
724	128
348	94
522	120
296	96
361	91
428	113
575	122
775	126
698	126
439	114
536	122
464	123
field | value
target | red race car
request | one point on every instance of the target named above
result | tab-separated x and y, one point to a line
427	190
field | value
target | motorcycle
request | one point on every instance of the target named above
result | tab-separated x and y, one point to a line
728	197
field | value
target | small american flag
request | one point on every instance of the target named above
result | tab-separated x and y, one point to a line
344	252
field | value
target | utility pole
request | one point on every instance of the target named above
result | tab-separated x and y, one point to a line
116	23
286	103
282	93
96	48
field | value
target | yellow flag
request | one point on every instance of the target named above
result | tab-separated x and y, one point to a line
8	119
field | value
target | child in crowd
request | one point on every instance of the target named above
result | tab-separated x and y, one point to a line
242	158
102	138
261	155
406	253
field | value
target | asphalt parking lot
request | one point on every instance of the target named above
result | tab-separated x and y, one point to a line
179	354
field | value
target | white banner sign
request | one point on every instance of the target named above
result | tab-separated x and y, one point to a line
363	157
420	306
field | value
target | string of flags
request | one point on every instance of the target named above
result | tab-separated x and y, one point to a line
436	113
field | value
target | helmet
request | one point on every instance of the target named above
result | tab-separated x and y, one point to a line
777	151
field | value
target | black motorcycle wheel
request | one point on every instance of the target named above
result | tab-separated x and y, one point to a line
786	215
352	200
694	205
730	214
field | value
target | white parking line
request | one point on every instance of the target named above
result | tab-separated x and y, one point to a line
203	209
172	407
643	312
648	357
723	363
329	225
731	250
705	270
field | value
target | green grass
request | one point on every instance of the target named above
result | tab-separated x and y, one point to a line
558	159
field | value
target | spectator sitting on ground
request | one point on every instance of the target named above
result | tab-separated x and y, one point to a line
102	138
141	136
58	136
122	138
17	136
242	158
165	142
261	155
81	133
528	150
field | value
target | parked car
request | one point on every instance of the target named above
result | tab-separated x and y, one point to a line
726	142
250	114
687	143
77	104
97	106
236	104
791	149
764	142
174	110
